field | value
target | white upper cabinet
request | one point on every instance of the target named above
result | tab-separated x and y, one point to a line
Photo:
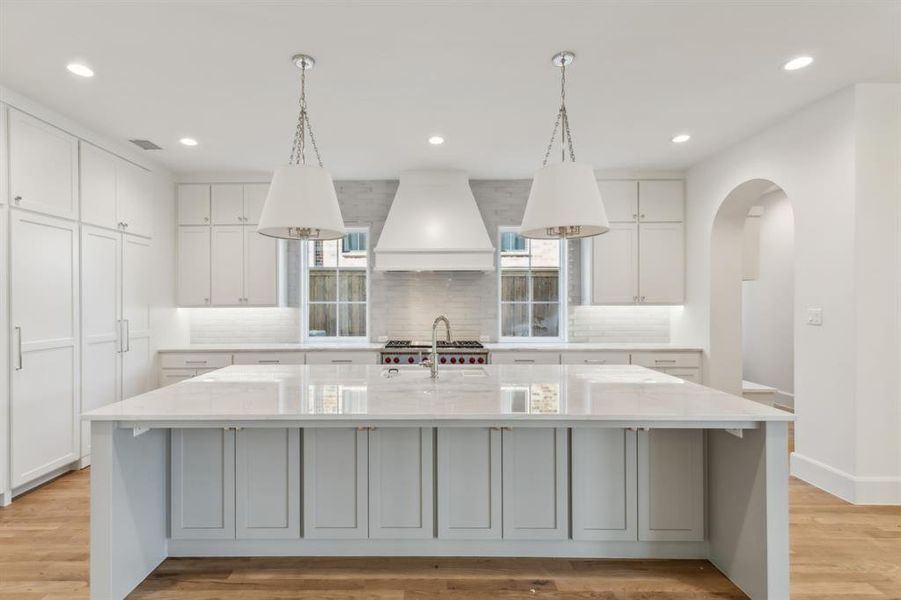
260	268
615	265
194	204
620	200
661	263
254	199
661	201
226	273
227	203
114	192
193	266
134	199
43	167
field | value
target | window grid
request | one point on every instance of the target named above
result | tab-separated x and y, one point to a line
355	244
512	248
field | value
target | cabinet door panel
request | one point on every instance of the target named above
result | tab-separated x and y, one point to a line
267	483
203	484
227	203
43	166
193	266
193	204
170	376
671	485
134	196
661	201
45	354
254	199
260	269
227	279
535	483
469	483
620	200
101	252
662	263
604	484
137	356
400	483
98	186
614	270
335	472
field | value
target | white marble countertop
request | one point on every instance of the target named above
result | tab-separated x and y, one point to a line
490	346
363	394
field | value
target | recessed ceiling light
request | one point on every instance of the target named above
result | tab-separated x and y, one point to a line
187	141
681	138
436	140
80	69
798	63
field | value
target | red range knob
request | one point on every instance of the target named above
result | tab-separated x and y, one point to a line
387	359
443	360
396	360
453	360
481	360
472	360
410	360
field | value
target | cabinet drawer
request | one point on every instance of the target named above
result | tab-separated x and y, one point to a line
666	360
269	358
195	361
594	358
686	373
339	358
525	358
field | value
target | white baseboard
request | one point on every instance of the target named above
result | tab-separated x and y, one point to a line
44	479
856	490
6	498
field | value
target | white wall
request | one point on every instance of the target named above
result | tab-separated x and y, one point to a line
768	301
838	169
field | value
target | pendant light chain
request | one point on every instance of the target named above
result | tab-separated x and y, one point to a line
298	149
566	140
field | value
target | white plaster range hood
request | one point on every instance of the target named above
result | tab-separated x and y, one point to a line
434	225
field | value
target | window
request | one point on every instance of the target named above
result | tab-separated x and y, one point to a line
531	286
337	286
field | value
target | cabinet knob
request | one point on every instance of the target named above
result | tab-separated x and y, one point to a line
17	199
642	298
206	219
206	300
642	215
125	225
634	215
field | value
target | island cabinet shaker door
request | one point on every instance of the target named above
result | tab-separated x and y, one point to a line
469	483
401	483
535	483
604	484
671	485
335	490
267	483
203	484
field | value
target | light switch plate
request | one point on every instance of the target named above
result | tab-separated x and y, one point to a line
815	316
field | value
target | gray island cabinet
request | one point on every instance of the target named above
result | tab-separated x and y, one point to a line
501	460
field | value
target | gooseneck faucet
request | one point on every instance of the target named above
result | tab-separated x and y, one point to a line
433	356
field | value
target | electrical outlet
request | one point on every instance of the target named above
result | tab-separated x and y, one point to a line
815	316
484	338
383	338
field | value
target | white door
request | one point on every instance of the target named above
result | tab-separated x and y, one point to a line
203	484
535	486
98	186
661	201
254	199
604	484
614	265
137	283
260	268
671	485
100	323
335	473
661	264
620	200
43	166
193	204
267	483
134	195
227	203
401	483
193	266
227	276
469	483
44	308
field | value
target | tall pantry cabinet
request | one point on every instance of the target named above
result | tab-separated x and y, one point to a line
78	223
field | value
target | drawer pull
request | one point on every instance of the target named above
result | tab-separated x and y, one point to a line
524	360
661	361
595	361
341	361
195	362
269	362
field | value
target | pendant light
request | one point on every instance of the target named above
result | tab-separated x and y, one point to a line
564	201
302	204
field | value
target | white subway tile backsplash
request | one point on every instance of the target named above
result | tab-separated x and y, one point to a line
251	325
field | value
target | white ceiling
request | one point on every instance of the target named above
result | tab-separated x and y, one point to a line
390	74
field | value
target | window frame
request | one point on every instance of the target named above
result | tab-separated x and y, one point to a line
305	292
562	312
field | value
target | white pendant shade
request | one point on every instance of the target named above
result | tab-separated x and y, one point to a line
302	204
564	202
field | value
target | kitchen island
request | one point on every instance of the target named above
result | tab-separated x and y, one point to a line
350	460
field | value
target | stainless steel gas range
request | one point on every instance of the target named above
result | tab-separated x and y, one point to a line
457	352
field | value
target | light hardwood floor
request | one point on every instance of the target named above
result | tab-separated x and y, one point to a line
838	551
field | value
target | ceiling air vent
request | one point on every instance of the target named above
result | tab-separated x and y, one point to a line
145	144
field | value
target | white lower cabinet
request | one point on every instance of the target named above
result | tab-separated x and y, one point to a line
594	358
535	483
203	484
469	483
267	483
525	358
320	357
335	475
268	358
401	483
671	485
604	484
